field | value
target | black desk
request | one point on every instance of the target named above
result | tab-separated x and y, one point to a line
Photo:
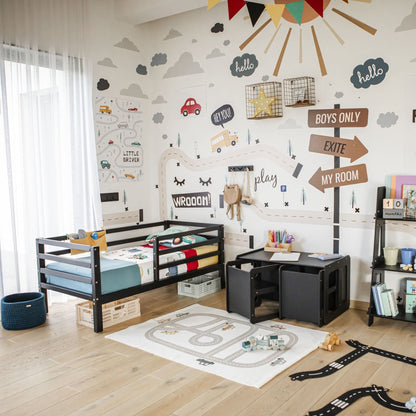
307	290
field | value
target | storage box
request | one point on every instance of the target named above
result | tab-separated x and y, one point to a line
199	286
281	247
411	286
410	303
113	312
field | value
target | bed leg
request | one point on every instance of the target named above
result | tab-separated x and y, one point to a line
97	312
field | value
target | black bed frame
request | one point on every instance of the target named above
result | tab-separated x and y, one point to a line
213	232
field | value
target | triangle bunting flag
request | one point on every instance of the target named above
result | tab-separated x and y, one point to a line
275	11
234	6
254	10
212	3
317	5
296	10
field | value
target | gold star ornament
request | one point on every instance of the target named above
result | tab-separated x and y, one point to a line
262	103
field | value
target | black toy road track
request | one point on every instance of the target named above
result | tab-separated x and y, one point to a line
359	350
377	393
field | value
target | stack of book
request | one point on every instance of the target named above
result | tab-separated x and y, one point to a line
384	300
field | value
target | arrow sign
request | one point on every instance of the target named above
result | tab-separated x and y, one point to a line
336	146
333	178
338	117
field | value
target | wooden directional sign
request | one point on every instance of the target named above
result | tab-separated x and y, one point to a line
332	178
338	117
336	146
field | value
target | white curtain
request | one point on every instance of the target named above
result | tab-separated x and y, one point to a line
48	169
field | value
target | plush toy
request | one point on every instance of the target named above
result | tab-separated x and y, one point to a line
330	340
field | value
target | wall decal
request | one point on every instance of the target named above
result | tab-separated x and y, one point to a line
184	66
205	183
159	59
211	84
226	42
158	118
126	43
107	62
303	197
338	117
335	146
178	182
173	33
265	78
234	6
215	53
179	142
255	10
218	27
338	94
264	178
387	120
409	22
262	103
190	107
222	115
372	72
133	90
192	200
103	84
194	41
222	140
118	139
164	136
159	100
141	69
414	115
332	178
244	65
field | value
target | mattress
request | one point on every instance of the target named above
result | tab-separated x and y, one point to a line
115	275
128	267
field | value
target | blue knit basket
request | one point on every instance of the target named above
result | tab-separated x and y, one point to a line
23	310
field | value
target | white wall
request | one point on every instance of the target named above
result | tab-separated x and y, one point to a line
390	149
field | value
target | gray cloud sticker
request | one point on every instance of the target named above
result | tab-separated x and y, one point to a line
339	94
244	65
172	34
159	59
372	72
159	100
226	42
216	53
107	62
133	91
164	136
409	22
103	84
158	118
265	78
387	120
184	66
141	69
127	44
218	27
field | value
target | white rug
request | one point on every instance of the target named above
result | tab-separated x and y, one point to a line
210	340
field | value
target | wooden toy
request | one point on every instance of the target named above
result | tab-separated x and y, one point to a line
264	342
331	339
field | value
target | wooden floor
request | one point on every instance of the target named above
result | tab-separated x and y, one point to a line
61	368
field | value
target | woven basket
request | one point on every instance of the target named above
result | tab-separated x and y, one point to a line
23	310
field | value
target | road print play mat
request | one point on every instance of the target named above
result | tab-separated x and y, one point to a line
211	339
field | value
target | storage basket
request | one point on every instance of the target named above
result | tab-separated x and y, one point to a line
299	91
113	312
23	310
281	247
270	90
199	286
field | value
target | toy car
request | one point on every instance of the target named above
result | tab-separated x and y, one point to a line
110	142
132	109
128	175
105	164
330	340
105	109
122	125
135	144
190	106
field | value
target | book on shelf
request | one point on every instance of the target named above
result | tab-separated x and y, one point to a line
385	303
392	302
376	298
379	288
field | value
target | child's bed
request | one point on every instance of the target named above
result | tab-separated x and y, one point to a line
131	268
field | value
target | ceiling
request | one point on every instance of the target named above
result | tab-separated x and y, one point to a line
142	11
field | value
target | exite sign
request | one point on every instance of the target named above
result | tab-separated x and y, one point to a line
338	117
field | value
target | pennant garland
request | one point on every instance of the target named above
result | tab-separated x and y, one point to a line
234	6
317	5
254	10
275	11
296	10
